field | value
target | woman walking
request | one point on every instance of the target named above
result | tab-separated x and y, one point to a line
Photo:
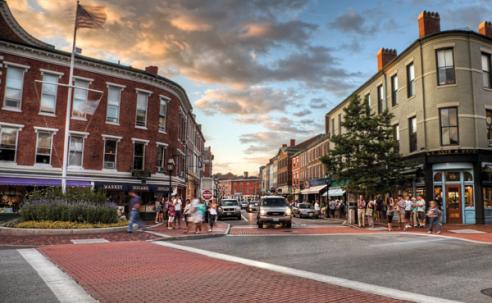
390	212
199	214
370	213
171	214
212	215
158	211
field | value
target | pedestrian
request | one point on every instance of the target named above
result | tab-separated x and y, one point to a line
133	206
408	212
415	221
390	212
186	211
370	213
361	211
433	216
165	203
379	209
421	211
212	214
333	206
343	209
158	209
316	208
401	210
178	204
199	214
171	215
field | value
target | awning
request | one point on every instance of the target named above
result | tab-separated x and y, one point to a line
335	192
313	190
40	182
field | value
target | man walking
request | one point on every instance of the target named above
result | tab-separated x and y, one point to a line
361	211
133	206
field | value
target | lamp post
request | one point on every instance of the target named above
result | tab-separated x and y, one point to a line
170	167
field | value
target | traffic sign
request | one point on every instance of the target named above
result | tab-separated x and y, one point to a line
207	195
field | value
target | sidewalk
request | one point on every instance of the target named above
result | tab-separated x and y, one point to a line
162	231
146	272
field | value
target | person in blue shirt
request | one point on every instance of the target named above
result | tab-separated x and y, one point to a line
134	216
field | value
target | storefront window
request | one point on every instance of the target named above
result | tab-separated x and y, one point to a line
469	196
437	177
487	196
452	176
467	176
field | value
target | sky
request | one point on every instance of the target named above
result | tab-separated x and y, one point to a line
257	72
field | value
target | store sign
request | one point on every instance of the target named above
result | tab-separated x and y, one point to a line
161	188
113	187
139	187
452	152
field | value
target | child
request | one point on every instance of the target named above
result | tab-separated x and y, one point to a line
433	214
171	212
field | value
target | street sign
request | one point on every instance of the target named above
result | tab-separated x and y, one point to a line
207	195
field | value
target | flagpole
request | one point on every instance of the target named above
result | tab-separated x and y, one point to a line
69	106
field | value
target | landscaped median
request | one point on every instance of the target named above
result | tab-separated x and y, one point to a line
79	211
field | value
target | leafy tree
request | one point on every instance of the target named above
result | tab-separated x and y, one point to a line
366	153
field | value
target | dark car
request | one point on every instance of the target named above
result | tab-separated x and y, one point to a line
229	208
253	206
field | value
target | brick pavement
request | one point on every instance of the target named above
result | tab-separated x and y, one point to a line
220	228
312	230
145	272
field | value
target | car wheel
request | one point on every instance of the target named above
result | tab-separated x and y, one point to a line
288	225
260	225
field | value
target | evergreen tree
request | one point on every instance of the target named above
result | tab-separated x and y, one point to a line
366	153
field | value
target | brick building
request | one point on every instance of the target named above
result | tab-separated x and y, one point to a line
208	158
141	122
242	188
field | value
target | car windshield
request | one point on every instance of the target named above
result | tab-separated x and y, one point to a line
274	202
228	203
304	206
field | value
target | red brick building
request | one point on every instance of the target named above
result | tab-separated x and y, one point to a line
141	122
242	188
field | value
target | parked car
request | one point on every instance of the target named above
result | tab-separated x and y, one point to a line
305	210
229	208
274	210
253	206
244	204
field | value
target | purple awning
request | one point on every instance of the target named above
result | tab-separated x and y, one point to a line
40	182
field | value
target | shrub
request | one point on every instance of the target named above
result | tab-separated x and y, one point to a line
77	205
65	225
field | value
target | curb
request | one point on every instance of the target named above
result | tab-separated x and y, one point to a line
164	237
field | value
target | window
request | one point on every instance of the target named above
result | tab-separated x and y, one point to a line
332	127
113	108
48	94
488	120
380	99
445	67
339	124
396	134
138	155
43	147
161	155
8	143
412	131
449	126
76	150
410	80
142	102
367	103
13	90
162	114
486	70
394	90
80	98
110	151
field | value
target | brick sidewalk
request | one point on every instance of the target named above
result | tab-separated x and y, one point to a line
145	272
220	228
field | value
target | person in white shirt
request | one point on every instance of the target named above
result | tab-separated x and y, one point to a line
316	208
421	211
177	207
408	212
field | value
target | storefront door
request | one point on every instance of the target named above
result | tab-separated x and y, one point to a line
453	204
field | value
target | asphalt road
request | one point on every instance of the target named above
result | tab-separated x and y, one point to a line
437	267
19	282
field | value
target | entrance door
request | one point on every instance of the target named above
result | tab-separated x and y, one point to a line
453	204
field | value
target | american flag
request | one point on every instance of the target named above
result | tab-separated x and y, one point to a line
89	16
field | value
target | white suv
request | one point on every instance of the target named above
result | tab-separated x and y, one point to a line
274	210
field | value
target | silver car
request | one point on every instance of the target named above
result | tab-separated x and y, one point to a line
305	210
274	210
229	208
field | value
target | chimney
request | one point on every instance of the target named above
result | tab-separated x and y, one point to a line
429	23
292	142
385	55
152	69
485	28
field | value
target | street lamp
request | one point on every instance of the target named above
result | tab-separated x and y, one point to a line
170	167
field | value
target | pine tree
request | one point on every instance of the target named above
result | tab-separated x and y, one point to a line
366	153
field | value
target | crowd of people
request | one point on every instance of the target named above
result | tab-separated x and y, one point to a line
405	210
195	213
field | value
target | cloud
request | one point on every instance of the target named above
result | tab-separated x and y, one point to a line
353	22
220	42
303	113
467	15
318	103
245	102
